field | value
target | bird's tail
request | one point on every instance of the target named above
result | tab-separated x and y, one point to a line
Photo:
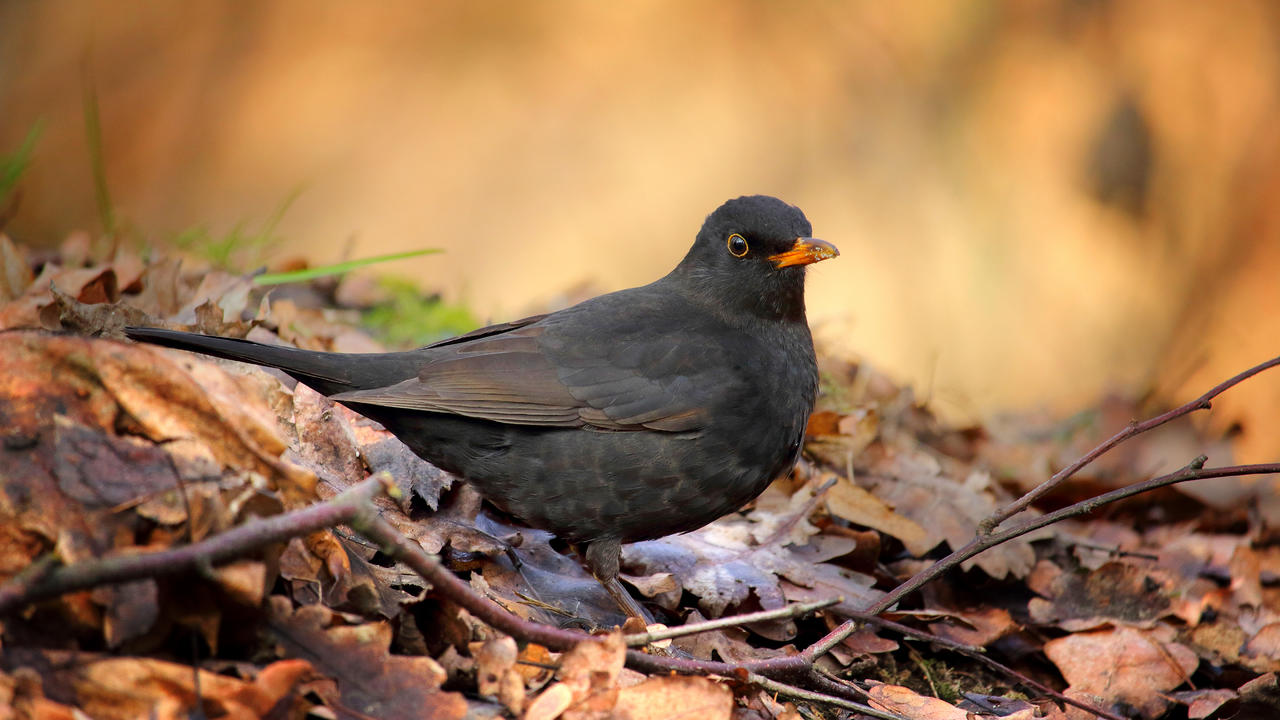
327	373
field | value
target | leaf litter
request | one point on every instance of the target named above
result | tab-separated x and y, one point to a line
1164	605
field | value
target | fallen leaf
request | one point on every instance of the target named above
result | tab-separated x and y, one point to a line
849	502
1124	665
905	702
368	678
1117	591
675	697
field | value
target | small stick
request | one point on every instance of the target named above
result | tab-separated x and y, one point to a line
1193	471
774	686
989	524
233	543
790	611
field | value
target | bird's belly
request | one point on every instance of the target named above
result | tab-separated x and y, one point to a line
582	485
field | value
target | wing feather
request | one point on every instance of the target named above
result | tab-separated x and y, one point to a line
550	371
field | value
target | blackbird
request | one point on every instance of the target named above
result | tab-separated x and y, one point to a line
630	416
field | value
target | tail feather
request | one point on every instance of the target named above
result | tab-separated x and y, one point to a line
327	373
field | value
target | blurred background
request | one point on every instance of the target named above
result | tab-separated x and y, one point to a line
1037	202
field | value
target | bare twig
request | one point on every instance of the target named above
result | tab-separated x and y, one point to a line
1046	690
1193	471
1134	428
773	686
1114	551
790	611
220	548
404	550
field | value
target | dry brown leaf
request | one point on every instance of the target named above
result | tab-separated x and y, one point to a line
920	486
1220	642
849	502
497	675
1245	567
22	697
1124	665
172	395
675	697
15	273
981	627
1262	651
244	581
1203	703
163	291
865	641
824	581
907	703
227	295
588	682
836	438
550	703
132	610
127	688
368	678
1117	591
91	286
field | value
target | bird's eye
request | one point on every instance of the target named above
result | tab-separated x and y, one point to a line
737	245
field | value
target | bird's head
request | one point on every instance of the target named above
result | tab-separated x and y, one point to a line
751	255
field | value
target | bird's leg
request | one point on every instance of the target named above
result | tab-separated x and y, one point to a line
602	557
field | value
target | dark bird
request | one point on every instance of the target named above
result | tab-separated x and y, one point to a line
630	416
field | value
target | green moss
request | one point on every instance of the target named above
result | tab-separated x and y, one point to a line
411	319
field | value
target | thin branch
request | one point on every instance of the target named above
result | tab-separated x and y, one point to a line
220	548
1044	689
1193	471
1134	428
976	654
404	550
773	686
789	611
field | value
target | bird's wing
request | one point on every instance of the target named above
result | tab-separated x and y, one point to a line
542	374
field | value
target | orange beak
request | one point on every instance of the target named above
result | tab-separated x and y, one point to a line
805	251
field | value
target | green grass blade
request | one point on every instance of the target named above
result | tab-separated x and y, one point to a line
337	269
13	165
93	132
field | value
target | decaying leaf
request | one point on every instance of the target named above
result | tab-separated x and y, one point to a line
366	677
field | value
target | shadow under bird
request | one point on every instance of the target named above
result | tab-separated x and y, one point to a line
630	416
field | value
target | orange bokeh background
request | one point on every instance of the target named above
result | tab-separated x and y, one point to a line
1036	201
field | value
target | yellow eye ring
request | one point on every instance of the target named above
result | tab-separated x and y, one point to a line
737	245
